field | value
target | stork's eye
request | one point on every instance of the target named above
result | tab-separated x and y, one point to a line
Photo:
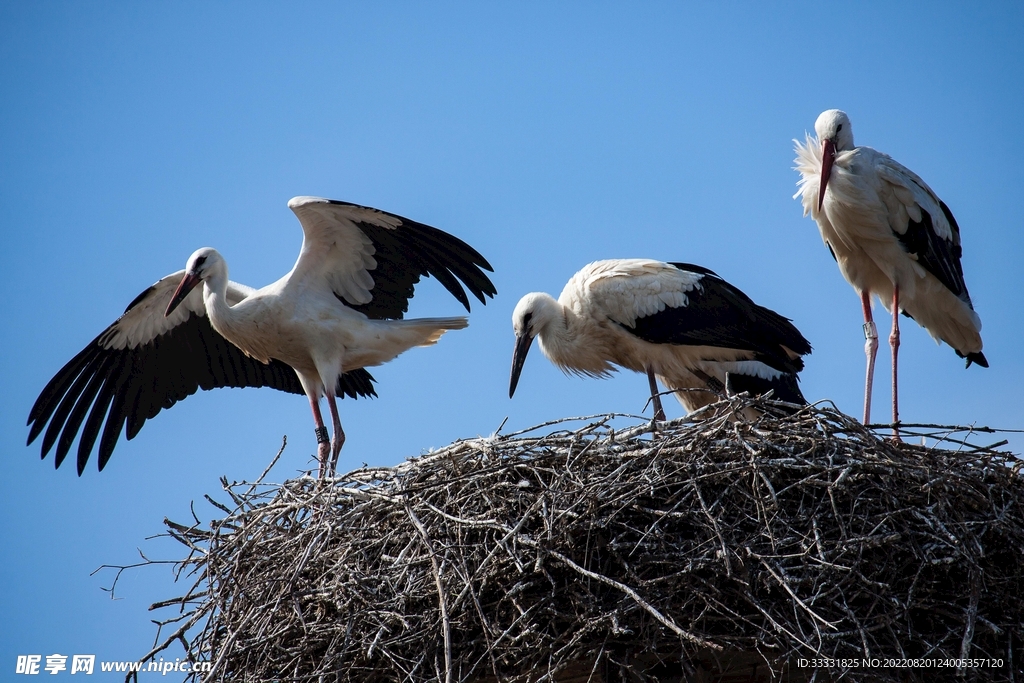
839	128
199	262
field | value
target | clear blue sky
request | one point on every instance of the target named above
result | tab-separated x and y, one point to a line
547	135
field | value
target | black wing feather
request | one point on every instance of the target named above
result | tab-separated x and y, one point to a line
82	404
940	257
131	385
95	420
718	314
785	386
112	429
410	251
694	268
67	403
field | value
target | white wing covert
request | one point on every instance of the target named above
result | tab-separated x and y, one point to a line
913	196
629	289
144	320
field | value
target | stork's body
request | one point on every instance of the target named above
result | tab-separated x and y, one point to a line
338	311
678	322
892	237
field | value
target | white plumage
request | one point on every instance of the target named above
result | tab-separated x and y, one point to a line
891	236
313	331
678	322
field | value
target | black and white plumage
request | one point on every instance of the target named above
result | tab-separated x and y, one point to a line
678	322
312	332
892	237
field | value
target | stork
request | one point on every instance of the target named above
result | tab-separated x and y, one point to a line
338	311
892	237
676	322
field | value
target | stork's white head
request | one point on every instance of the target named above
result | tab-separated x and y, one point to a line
204	262
835	135
834	125
534	314
204	265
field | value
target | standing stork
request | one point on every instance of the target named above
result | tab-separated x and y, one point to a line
892	237
338	311
676	322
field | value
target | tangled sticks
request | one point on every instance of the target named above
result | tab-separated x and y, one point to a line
720	549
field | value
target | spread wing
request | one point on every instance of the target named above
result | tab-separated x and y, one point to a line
685	304
143	363
371	259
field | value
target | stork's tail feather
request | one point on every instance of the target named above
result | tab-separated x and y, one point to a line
432	328
456	323
977	358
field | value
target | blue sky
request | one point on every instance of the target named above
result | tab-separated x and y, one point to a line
547	135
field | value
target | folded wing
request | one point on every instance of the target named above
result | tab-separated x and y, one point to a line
686	304
923	224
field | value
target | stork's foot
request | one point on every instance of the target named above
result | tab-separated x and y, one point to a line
895	438
336	444
659	411
323	454
323	450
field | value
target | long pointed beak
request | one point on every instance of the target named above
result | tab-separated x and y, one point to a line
187	284
828	155
522	348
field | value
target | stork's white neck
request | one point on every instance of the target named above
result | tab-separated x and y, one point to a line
566	340
215	290
551	324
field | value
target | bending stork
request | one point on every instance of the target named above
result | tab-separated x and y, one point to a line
892	237
676	322
313	331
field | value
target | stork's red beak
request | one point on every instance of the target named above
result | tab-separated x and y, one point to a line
187	284
828	155
523	342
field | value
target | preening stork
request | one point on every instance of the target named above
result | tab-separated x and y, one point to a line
676	322
892	237
338	311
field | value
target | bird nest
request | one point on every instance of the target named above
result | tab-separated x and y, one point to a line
796	546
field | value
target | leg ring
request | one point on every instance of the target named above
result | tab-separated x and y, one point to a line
321	435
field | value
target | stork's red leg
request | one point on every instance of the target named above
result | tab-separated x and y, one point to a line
659	412
322	441
339	433
894	343
870	350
